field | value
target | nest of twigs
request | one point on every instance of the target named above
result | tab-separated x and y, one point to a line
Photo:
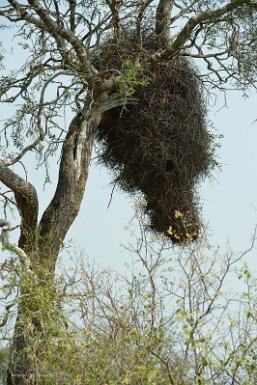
160	146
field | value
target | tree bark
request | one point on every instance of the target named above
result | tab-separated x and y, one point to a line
34	312
65	204
163	17
27	204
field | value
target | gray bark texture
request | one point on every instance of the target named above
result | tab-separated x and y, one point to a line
42	243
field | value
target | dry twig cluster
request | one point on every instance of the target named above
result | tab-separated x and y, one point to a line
160	146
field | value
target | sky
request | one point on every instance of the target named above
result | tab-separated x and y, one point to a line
228	198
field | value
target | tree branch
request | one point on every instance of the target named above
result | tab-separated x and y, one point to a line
72	15
163	17
57	32
114	9
27	203
186	32
19	252
45	25
65	204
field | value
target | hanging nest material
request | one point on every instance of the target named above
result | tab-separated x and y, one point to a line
160	146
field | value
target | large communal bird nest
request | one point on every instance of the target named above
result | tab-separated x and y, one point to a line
160	146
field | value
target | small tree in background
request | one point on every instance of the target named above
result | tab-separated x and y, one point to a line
172	319
70	48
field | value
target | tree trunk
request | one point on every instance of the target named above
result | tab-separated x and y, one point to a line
37	313
65	205
36	308
42	243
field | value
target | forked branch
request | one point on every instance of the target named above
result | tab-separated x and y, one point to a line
185	34
27	203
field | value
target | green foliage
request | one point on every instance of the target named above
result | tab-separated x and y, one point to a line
130	78
166	322
3	363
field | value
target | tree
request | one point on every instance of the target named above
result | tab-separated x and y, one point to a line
169	320
63	41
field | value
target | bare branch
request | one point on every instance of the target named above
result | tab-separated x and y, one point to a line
185	34
163	16
26	149
114	9
19	252
61	35
72	14
27	202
